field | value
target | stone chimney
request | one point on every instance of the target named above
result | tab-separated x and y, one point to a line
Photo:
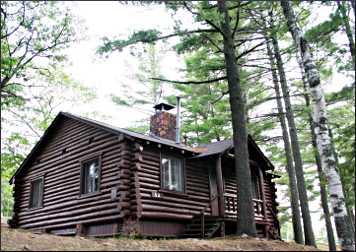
163	123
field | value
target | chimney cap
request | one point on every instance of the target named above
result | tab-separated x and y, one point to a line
163	106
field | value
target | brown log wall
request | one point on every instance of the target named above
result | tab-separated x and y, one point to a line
172	205
268	190
58	162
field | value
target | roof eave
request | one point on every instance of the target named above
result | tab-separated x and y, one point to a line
83	120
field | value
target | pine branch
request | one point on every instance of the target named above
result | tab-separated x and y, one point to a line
191	82
249	50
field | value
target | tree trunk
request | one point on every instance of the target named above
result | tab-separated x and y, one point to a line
297	226
346	22
321	175
349	211
343	225
303	197
245	221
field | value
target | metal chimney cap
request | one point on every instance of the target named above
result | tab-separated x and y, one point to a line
163	106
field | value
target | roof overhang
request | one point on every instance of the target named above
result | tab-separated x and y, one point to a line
108	128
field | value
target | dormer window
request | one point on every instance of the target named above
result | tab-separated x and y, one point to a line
172	173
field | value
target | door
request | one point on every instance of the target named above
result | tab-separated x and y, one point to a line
214	199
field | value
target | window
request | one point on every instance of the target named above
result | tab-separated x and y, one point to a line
36	196
255	181
172	173
90	176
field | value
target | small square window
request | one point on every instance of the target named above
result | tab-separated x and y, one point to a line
90	176
172	174
36	197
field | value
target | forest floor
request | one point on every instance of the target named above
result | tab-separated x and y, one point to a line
17	239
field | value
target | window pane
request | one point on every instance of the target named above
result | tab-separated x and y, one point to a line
172	174
36	193
177	175
90	179
255	184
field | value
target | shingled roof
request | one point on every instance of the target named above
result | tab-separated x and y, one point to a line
215	148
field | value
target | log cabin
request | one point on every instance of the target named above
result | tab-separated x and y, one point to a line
88	178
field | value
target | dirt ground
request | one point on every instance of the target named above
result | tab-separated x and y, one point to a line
17	239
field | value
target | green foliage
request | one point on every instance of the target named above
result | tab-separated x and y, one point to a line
11	158
147	36
322	32
31	30
343	137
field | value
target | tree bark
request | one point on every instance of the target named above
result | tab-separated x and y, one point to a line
245	221
303	197
321	175
297	226
343	225
349	211
346	22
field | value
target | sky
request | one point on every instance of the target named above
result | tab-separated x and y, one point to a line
107	75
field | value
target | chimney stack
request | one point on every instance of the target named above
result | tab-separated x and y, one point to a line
163	123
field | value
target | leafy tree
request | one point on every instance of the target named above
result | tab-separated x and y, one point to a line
303	198
31	32
343	226
297	228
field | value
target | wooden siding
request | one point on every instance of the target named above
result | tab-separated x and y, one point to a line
63	206
268	191
171	205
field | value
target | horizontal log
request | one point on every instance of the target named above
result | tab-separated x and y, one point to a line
73	144
123	187
163	202
148	171
71	218
93	220
158	215
64	207
58	163
80	151
98	208
150	167
165	209
80	139
78	198
150	176
149	186
60	136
